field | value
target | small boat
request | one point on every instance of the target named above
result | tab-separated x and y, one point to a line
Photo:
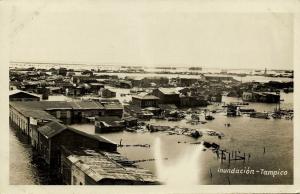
259	115
209	117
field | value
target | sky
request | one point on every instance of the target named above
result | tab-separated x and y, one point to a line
149	34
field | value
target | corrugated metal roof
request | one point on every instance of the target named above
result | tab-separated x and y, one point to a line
39	114
86	105
96	137
145	96
51	129
48	105
168	91
113	106
28	111
101	166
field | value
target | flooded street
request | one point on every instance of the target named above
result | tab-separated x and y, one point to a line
173	96
247	135
269	143
21	169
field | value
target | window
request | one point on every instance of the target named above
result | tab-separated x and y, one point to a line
58	114
74	180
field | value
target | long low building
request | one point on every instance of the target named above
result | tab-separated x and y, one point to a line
266	97
30	115
50	137
81	166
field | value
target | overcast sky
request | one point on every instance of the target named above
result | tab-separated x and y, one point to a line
126	34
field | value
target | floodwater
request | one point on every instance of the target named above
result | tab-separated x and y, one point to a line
247	135
21	169
269	143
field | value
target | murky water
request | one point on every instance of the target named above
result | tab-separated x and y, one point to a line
187	167
245	134
252	136
269	143
23	170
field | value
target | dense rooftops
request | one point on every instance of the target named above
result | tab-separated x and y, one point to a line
48	105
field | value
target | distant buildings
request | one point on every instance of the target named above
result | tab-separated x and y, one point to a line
232	110
107	93
215	97
113	109
259	115
62	71
167	95
266	97
192	101
124	84
109	124
219	78
149	81
144	100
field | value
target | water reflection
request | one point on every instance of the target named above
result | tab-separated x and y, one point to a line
184	171
24	169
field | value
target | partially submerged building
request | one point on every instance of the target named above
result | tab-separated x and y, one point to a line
53	135
266	97
144	100
167	95
40	111
105	124
107	93
113	109
93	167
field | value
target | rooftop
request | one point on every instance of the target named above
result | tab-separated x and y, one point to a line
145	96
51	129
13	92
96	137
168	91
113	106
49	105
104	165
112	121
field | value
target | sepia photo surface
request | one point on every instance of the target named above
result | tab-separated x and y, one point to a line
156	94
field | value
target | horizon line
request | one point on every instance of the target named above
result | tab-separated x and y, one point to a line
142	65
